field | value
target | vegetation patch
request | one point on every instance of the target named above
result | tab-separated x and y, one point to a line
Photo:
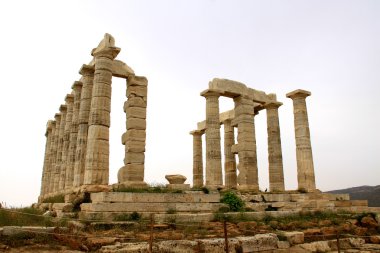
55	199
26	216
235	203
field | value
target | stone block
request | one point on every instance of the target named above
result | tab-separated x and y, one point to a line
182	187
134	157
136	123
135	146
298	197
137	81
131	172
133	135
260	242
134	102
276	197
130	197
294	237
138	91
176	179
136	112
217	245
321	246
150	207
98	132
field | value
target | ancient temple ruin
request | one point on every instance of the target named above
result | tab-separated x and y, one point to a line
77	146
248	102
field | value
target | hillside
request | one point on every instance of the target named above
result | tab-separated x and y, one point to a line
371	193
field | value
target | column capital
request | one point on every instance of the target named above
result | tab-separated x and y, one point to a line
257	108
210	93
77	85
298	94
69	98
62	108
57	116
197	132
106	48
87	70
272	105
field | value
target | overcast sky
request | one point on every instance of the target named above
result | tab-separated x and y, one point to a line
331	48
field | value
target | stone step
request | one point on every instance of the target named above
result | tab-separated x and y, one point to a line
134	197
151	207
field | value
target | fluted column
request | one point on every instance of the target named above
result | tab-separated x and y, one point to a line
230	176
87	73
197	158
63	111
70	162
305	166
97	153
246	144
276	171
45	169
53	151
134	139
213	149
66	139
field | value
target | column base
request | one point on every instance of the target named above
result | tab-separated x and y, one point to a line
215	187
130	184
254	188
182	187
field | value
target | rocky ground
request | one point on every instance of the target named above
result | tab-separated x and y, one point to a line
117	237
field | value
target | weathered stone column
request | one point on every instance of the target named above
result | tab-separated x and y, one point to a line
276	171
97	153
58	164
132	173
230	176
70	163
305	166
213	149
248	178
66	139
87	73
53	150
197	158
45	169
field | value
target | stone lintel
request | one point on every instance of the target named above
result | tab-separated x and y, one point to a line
62	108
272	105
121	69
87	69
77	85
69	98
227	115
298	93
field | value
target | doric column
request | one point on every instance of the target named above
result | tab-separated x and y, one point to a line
97	153
213	149
305	166
276	171
197	158
246	144
45	169
66	139
230	176
77	88
132	173
58	164
87	73
53	151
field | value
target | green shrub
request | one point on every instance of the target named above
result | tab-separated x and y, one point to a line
55	199
235	203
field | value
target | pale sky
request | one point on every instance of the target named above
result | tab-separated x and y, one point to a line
330	48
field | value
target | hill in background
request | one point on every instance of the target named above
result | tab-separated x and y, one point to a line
371	193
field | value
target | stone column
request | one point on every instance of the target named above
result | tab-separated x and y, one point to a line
87	73
197	158
213	149
66	139
97	153
45	169
132	173
248	178
276	171
305	166
70	162
230	177
63	111
53	151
